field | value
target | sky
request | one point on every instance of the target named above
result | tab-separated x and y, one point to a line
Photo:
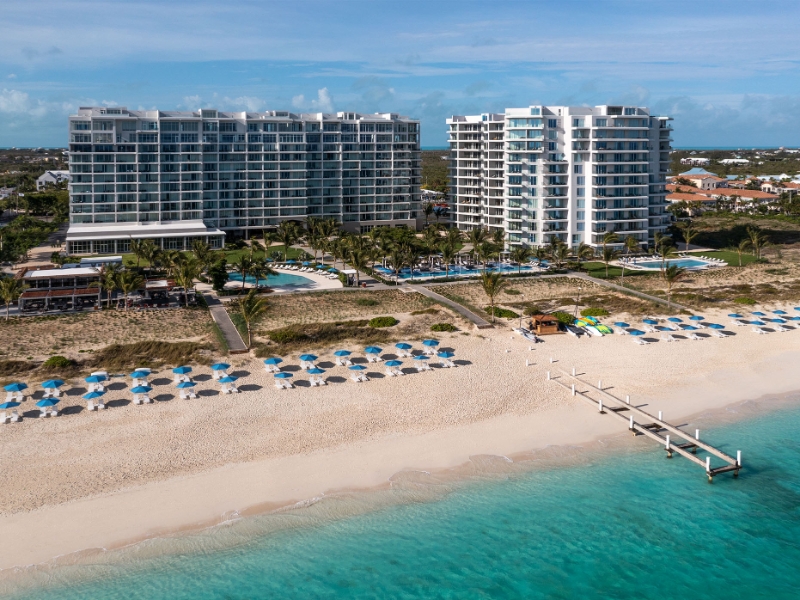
728	72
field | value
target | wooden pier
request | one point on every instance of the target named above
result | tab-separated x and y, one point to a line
641	422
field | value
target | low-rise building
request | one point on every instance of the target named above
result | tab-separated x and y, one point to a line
51	178
60	288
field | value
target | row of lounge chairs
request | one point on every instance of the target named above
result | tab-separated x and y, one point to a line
307	270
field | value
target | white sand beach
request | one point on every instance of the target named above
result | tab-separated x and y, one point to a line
103	480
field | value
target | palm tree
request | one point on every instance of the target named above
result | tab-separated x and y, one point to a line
476	237
741	248
666	251
559	254
288	233
583	252
540	253
137	249
688	232
252	309
254	245
609	254
110	281
492	284
758	240
483	252
243	266
631	245
10	291
672	275
204	254
260	268
399	257
430	240
128	282
186	273
150	252
453	235
448	251
171	259
520	254
358	259
610	237
427	210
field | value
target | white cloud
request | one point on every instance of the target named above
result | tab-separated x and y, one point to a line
192	102
12	76
299	101
323	102
109	103
248	103
20	103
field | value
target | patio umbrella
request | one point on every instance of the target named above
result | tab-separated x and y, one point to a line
141	389
308	357
306	263
95	378
421	357
779	312
697	318
342	353
47	403
758	313
291	262
182	370
675	320
186	384
372	350
139	375
735	316
394	363
445	355
273	361
650	321
636	332
92	395
622	324
357	368
6	405
332	270
430	343
228	379
776	320
315	371
797	307
716	326
220	366
689	328
52	384
282	375
15	387
756	322
794	318
403	346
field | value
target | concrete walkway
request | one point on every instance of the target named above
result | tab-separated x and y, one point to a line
221	317
462	310
624	290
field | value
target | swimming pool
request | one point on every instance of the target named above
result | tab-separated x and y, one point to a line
691	264
281	280
456	271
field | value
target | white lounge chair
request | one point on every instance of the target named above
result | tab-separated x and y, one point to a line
272	368
669	338
180	379
423	366
429	350
738	323
390	372
355	377
718	334
781	328
307	364
694	336
343	361
101	406
374	358
759	331
187	395
640	341
218	375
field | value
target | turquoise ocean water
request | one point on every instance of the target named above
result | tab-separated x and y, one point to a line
627	524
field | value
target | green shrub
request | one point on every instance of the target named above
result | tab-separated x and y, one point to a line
512	292
532	309
57	362
426	311
594	311
563	317
503	313
383	322
287	335
744	300
443	327
367	302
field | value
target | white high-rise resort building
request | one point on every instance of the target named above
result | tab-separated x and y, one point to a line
178	176
570	172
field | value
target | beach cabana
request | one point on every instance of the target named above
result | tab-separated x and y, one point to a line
228	386
90	397
446	362
141	394
421	362
356	374
186	390
430	346
282	380
13	417
545	325
392	369
271	364
14	390
47	407
181	374
314	381
373	353
219	370
404	349
342	358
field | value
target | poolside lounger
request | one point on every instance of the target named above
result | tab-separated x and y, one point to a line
44	413
354	377
759	331
650	329
738	323
101	406
343	361
373	358
15	417
641	342
423	367
718	334
669	338
390	373
694	336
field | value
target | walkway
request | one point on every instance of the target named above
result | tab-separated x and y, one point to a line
221	317
463	311
624	290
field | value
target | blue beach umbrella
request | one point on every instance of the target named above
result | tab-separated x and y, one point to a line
445	355
756	322
182	370
372	350
186	384
689	328
332	270
95	378
228	379
141	389
697	318
421	357
636	332
6	405
15	387
47	403
357	368
779	312
306	263
794	318
273	361
394	363
675	320
716	326
403	346
735	316
776	320
282	375
220	366
52	384
291	262
622	324
139	375
758	313
315	371
308	357
430	343
342	353
797	307
650	321
92	395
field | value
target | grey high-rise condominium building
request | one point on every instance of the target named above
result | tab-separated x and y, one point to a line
179	176
567	172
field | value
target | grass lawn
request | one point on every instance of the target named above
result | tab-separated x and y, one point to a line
732	258
598	269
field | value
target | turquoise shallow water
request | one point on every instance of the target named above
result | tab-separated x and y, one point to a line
630	524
